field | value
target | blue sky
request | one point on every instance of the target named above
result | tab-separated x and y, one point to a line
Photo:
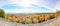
29	6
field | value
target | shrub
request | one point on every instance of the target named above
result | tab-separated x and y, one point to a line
2	13
28	21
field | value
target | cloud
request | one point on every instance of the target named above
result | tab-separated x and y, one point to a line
26	6
10	7
29	10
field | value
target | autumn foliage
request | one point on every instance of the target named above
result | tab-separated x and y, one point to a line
31	18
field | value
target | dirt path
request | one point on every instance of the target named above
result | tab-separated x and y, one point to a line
3	22
53	22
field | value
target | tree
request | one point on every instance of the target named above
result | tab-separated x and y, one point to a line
2	13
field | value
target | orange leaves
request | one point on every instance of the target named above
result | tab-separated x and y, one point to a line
31	18
35	20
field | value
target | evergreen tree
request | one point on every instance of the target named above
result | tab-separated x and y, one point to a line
2	13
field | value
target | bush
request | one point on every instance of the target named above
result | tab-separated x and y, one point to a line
28	21
2	13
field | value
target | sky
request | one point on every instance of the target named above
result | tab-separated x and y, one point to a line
30	6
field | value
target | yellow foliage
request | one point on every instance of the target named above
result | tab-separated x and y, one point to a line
35	20
10	18
47	17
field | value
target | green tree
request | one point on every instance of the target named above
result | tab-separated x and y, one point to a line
2	13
